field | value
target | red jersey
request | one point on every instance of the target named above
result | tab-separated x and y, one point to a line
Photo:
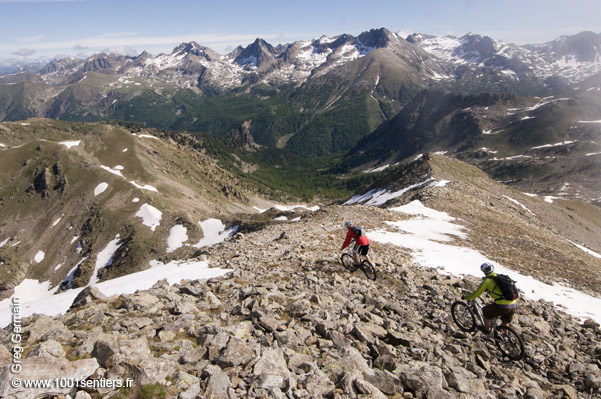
350	235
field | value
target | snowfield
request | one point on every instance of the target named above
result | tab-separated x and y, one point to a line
434	238
38	297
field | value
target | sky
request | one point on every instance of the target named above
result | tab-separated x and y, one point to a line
33	29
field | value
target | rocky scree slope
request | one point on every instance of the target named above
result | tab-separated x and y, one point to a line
522	232
290	321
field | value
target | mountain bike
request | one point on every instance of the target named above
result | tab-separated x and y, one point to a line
349	264
468	316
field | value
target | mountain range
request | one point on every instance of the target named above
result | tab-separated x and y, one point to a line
570	57
380	67
322	97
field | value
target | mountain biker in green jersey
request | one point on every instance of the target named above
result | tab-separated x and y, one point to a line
501	307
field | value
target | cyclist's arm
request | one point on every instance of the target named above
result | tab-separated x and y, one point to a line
347	240
484	286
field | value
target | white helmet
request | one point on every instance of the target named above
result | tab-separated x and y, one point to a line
487	268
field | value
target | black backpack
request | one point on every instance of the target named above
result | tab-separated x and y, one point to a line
507	287
359	231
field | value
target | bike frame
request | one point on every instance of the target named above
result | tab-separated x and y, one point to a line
477	309
351	251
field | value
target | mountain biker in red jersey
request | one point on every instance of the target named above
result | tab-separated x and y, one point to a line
361	242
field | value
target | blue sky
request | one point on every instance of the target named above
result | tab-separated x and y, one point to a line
49	28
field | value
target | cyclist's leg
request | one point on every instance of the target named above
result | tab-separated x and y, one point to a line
490	312
364	249
365	253
356	253
507	317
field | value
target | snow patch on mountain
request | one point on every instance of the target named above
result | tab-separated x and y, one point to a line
178	235
105	258
150	215
214	232
38	297
378	197
100	188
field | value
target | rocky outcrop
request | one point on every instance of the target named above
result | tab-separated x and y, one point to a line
241	137
290	322
40	369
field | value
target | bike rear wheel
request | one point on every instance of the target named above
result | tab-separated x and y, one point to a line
348	262
463	316
369	270
509	342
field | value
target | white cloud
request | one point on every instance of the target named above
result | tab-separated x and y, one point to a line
79	47
24	52
123	50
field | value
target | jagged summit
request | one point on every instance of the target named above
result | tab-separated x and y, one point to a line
256	54
103	63
193	48
60	64
475	48
584	47
376	38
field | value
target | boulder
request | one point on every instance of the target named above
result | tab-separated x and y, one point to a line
49	349
236	353
44	369
45	328
218	384
88	295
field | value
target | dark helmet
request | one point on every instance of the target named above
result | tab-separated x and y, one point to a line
487	268
347	224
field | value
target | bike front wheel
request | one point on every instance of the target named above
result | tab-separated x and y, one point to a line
509	342
463	316
348	262
369	270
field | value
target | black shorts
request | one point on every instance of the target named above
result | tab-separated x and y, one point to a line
361	249
493	310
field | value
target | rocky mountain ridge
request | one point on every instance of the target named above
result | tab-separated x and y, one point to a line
70	191
198	66
290	321
571	57
539	145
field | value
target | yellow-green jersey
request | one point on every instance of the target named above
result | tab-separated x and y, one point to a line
489	285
